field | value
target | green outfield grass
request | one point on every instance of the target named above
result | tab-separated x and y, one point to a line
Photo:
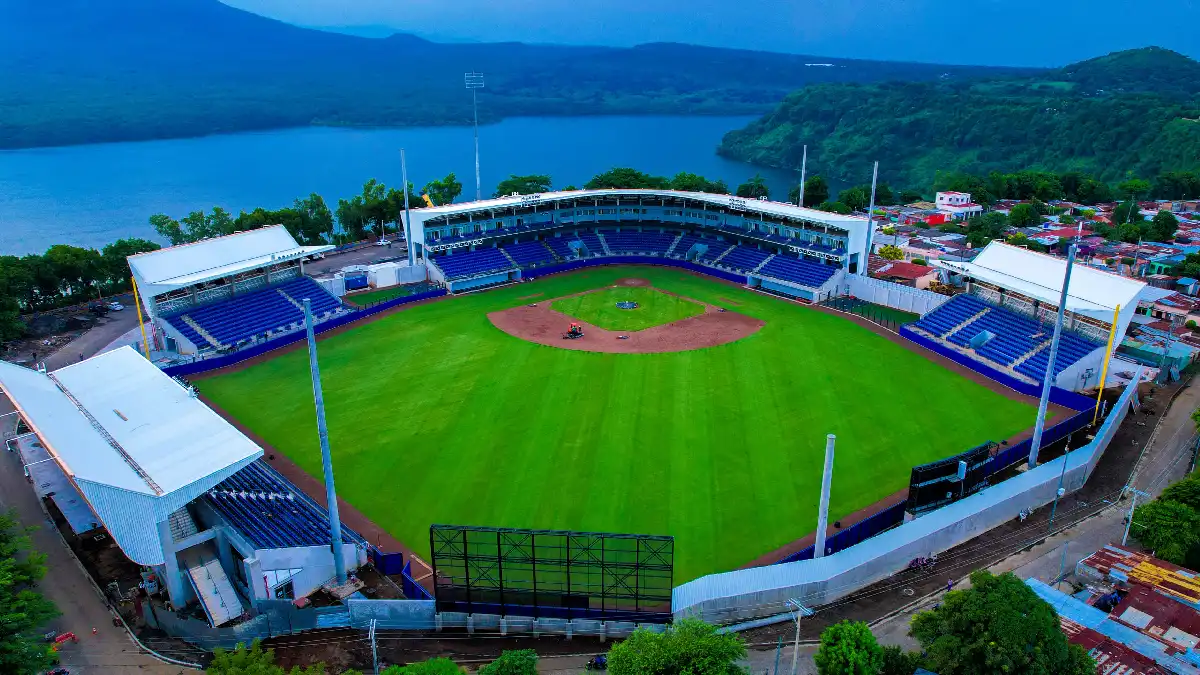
436	416
654	308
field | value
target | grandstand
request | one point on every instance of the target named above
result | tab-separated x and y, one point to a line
1006	318
179	489
806	252
224	293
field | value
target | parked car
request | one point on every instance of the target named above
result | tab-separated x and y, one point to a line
98	308
116	306
383	242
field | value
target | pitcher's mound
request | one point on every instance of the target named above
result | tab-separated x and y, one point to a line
544	326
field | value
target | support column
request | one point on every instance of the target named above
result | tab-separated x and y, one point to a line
826	484
335	523
172	577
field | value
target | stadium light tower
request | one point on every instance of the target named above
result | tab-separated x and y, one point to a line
475	81
335	523
803	169
1048	380
823	510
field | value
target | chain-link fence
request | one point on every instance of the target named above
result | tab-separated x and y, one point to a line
887	317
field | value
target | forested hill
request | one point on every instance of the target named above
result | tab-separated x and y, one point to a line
1135	111
81	71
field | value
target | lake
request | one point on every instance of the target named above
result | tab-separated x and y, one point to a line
92	194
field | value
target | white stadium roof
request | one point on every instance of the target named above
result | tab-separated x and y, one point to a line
1092	292
187	264
780	209
137	444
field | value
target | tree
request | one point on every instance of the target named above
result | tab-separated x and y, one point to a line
896	661
1127	212
1186	491
1170	529
689	647
690	182
252	660
856	198
523	185
114	263
1024	215
754	188
1133	187
1092	191
985	227
848	648
816	191
23	610
168	228
513	662
310	221
1177	185
1066	219
438	666
626	178
891	252
910	196
444	191
1163	227
998	625
833	207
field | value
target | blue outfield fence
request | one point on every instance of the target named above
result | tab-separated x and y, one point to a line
857	533
412	589
235	358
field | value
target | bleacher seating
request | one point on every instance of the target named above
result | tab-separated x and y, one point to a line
686	242
744	258
630	241
1015	336
462	264
271	512
560	246
715	250
803	272
592	242
245	316
530	253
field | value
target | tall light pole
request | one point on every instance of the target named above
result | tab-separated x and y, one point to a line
475	81
1040	424
803	169
335	523
408	240
823	509
870	223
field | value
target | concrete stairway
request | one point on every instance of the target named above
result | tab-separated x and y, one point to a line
764	263
969	320
671	248
603	243
203	333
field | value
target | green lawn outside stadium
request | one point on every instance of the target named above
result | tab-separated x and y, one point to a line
436	416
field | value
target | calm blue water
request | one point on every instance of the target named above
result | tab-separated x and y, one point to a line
90	195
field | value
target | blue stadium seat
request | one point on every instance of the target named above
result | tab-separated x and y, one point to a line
462	264
530	253
798	271
592	242
255	313
560	246
715	249
744	258
631	241
686	242
271	512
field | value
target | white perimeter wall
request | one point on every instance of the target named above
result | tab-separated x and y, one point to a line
893	295
764	591
315	563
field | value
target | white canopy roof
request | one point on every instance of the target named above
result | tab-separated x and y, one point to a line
134	441
187	264
1092	292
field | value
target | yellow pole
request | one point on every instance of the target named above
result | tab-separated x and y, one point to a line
137	302
1112	334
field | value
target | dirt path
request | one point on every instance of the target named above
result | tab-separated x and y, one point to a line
541	324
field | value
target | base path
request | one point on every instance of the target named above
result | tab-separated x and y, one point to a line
540	324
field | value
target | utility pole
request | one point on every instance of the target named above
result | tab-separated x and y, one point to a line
823	509
1132	505
1048	382
335	524
408	240
803	168
475	81
374	650
1061	490
801	611
778	650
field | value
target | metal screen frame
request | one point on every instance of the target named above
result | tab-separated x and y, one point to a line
929	483
552	573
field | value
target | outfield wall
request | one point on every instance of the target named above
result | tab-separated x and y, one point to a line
896	296
761	592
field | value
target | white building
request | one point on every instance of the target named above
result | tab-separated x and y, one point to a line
957	204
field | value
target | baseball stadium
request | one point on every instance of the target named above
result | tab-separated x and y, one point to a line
641	363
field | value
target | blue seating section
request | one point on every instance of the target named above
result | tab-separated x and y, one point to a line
530	253
1014	336
715	249
462	264
744	258
686	242
271	512
245	316
803	272
629	241
940	321
1071	348
592	242
560	246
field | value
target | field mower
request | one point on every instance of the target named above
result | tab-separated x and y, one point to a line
574	332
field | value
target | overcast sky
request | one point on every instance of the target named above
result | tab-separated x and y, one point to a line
996	32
